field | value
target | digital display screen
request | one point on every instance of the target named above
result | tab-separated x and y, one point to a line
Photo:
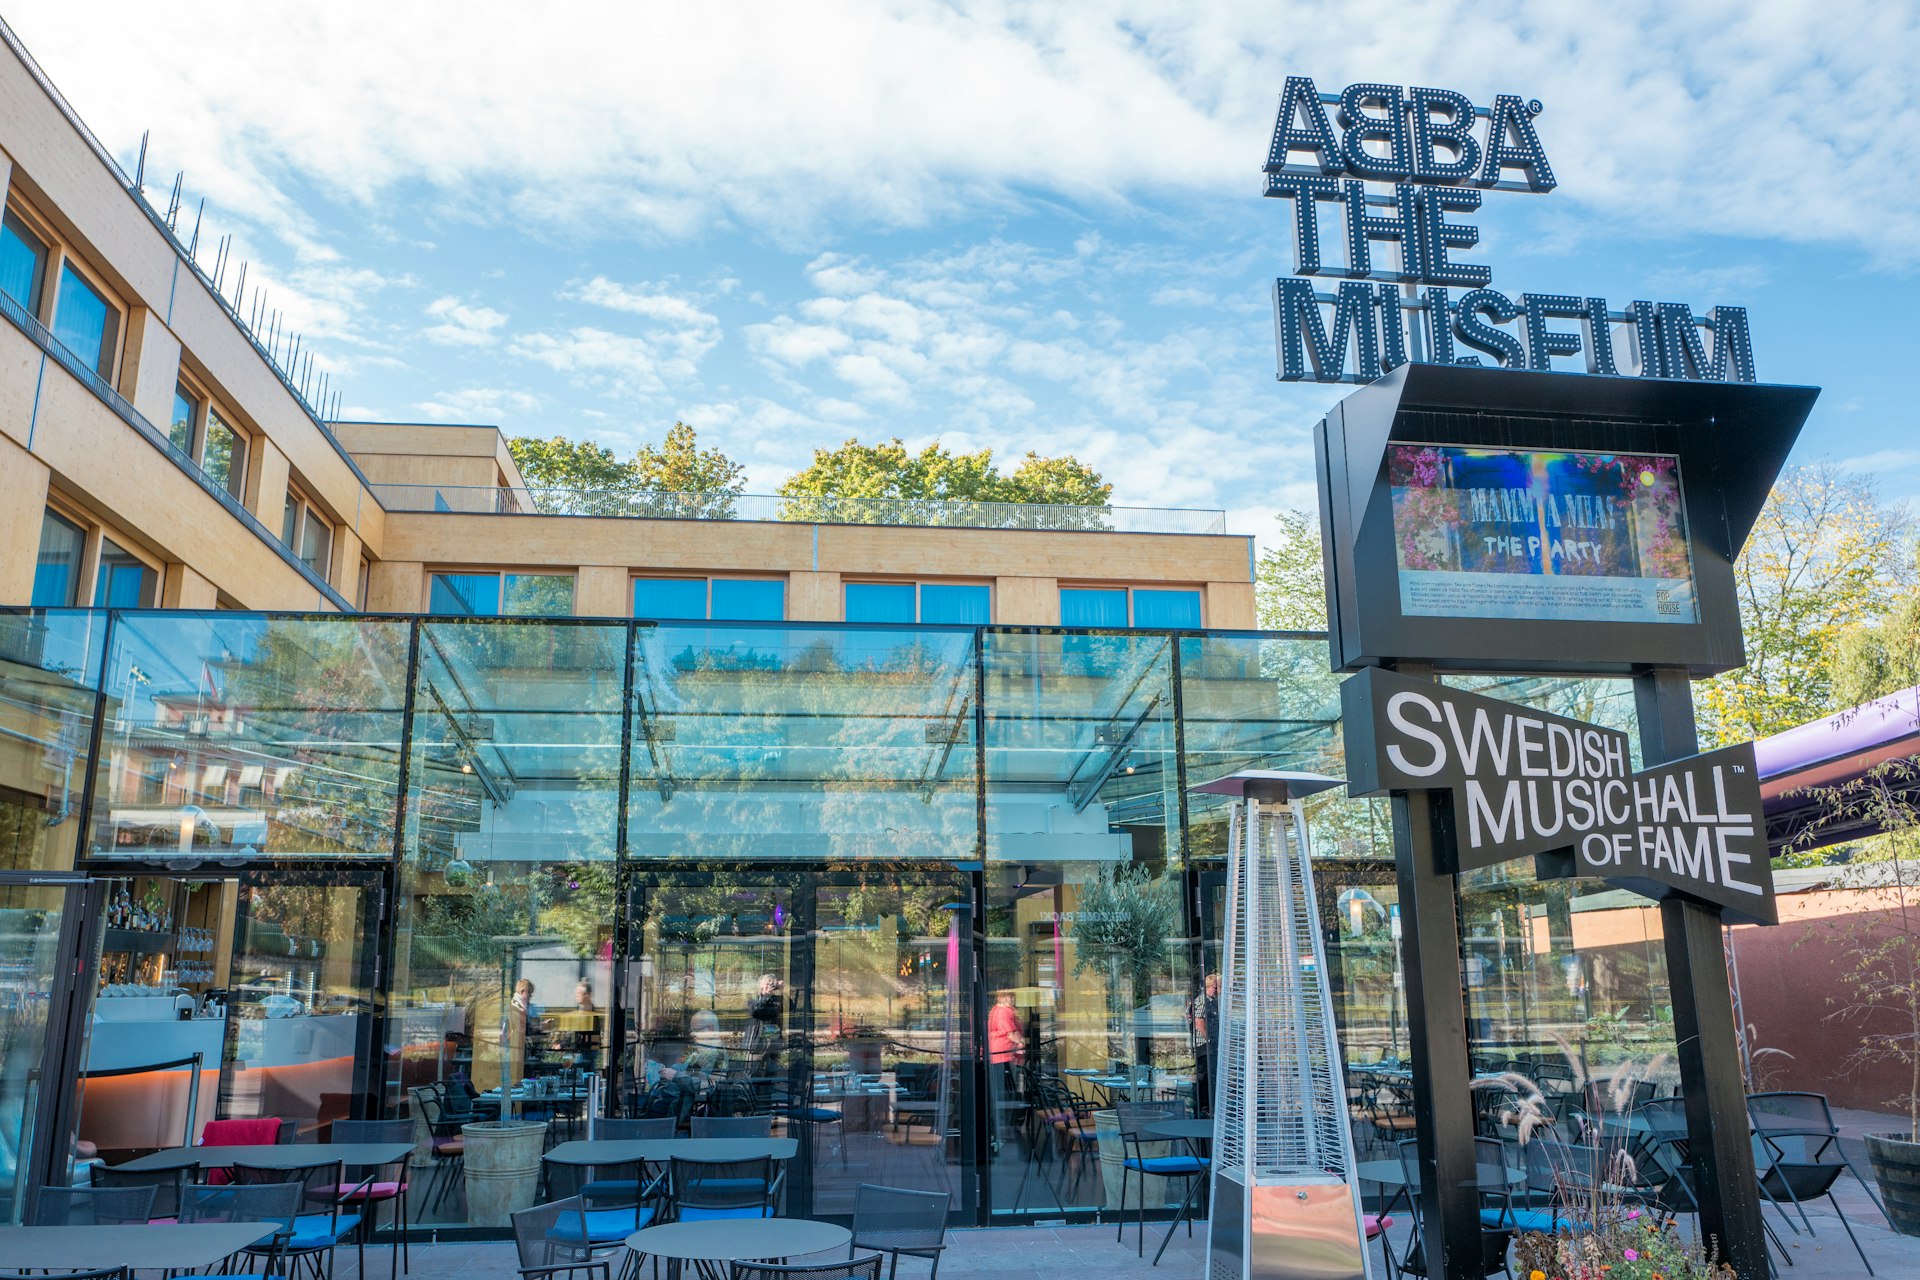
1511	533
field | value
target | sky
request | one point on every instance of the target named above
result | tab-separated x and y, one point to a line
1006	225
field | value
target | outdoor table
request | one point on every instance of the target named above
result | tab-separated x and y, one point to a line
1193	1133
359	1155
1390	1173
737	1240
157	1246
660	1150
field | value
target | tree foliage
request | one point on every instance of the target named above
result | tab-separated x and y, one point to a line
1874	661
1826	555
883	482
676	478
1289	581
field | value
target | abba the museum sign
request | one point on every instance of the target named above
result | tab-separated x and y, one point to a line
1405	292
1484	510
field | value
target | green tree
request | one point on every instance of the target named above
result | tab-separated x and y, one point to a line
1825	556
1874	661
676	478
885	483
1289	581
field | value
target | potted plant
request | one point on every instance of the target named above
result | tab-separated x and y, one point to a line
1880	964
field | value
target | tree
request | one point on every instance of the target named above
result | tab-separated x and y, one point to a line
676	479
884	483
1825	556
1289	582
1873	661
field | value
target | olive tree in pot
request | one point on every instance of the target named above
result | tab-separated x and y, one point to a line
1121	925
1878	948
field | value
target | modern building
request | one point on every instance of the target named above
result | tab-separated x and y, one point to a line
336	765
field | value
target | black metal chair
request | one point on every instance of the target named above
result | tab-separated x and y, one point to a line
613	1199
550	1239
702	1190
897	1221
1131	1118
867	1268
320	1227
1797	1154
1495	1239
278	1203
445	1140
634	1129
165	1183
390	1181
92	1206
732	1126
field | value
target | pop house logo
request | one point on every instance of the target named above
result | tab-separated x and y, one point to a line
1428	144
1526	782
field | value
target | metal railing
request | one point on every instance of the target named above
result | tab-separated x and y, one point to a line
799	509
104	391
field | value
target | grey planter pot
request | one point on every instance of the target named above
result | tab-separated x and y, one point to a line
1896	1167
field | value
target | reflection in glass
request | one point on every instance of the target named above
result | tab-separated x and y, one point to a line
503	958
49	670
29	955
125	581
85	322
56	573
241	735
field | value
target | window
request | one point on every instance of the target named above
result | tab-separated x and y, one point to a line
125	581
725	599
307	532
186	416
223	455
56	575
360	584
84	321
23	264
490	595
968	604
1111	607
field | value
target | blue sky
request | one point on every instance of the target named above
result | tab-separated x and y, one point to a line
1013	225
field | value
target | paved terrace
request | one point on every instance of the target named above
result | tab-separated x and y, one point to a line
1053	1253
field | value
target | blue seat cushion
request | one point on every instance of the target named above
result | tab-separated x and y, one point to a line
604	1226
1166	1165
321	1231
1519	1219
710	1215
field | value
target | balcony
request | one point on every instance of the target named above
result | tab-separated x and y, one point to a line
907	512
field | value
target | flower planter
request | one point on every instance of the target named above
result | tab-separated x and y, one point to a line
1896	1167
503	1168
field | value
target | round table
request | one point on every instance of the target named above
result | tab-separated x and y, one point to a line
737	1240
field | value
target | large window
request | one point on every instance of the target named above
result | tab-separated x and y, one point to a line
307	532
125	581
84	321
199	431
494	594
63	549
722	599
23	264
186	418
1135	607
959	603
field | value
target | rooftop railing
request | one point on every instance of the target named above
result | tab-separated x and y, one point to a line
804	509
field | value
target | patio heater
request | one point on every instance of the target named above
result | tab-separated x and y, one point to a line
1285	1206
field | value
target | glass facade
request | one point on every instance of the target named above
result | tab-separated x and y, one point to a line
909	890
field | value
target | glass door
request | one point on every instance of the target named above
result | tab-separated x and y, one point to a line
299	997
838	1004
30	936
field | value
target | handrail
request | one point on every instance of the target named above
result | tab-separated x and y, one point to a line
105	393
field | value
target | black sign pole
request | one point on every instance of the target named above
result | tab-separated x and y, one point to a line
1449	1201
1706	1039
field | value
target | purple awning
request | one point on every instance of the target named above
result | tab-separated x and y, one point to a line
1862	730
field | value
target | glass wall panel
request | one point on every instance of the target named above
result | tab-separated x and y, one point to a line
465	595
1565	976
236	735
29	960
796	744
537	595
503	954
49	672
1088	956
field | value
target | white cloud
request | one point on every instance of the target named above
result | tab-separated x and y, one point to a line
645	299
1770	118
461	325
479	404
